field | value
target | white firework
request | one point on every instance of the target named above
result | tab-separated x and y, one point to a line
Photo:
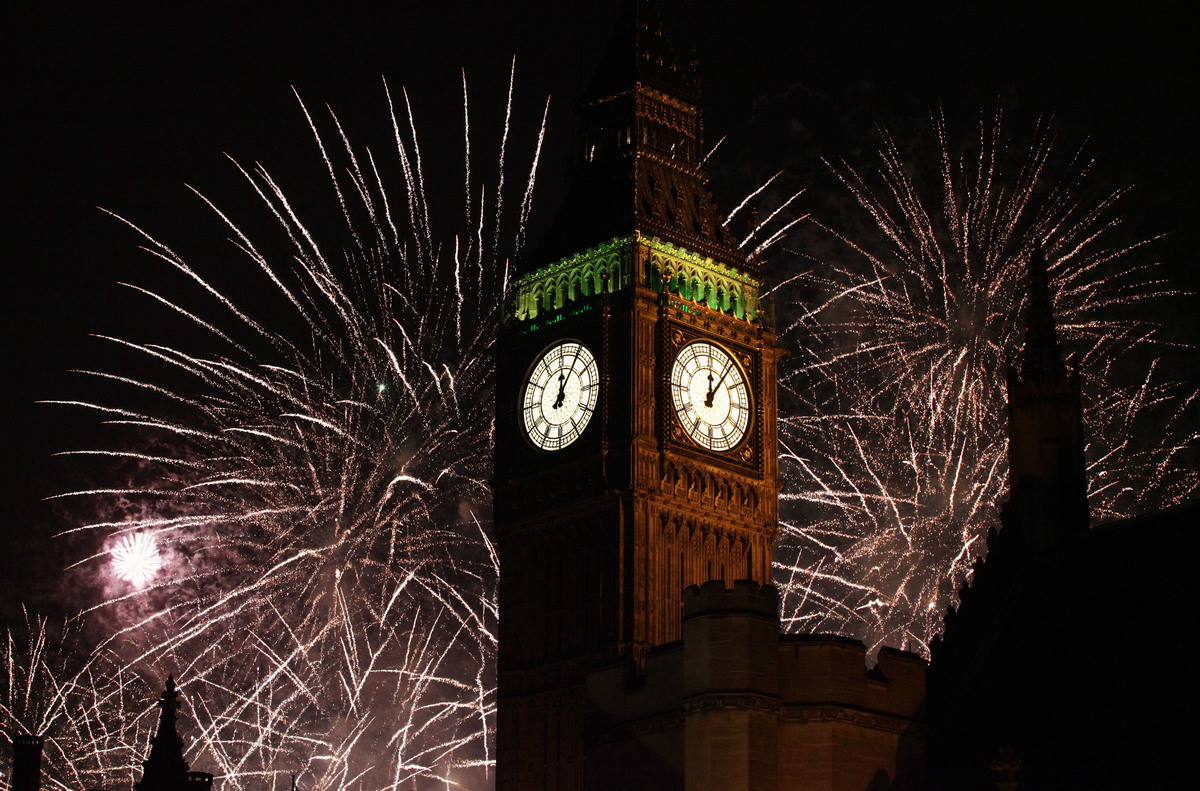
894	450
329	601
135	558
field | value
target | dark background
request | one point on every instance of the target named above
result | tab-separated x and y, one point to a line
119	105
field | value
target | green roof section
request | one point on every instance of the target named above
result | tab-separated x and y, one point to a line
618	264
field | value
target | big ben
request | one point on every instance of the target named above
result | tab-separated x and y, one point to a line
636	410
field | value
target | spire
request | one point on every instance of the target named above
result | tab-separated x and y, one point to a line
1047	474
165	769
638	53
1041	360
169	705
640	152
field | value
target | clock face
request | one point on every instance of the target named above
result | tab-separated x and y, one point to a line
560	395
710	396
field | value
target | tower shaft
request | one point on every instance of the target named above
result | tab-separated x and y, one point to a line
599	536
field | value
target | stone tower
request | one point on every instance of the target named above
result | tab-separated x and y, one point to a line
636	457
26	761
636	408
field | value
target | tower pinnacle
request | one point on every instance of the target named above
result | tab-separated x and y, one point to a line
1046	470
1041	359
165	769
639	53
639	166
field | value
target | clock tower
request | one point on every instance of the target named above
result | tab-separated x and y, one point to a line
636	410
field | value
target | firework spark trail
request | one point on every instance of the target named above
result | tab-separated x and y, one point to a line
327	592
93	711
894	454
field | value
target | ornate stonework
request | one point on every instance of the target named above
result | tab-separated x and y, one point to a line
692	279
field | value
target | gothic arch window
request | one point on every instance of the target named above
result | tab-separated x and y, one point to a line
614	275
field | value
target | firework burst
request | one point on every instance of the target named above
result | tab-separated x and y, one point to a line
318	498
895	450
135	558
327	590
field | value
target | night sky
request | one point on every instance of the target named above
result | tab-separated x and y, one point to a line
120	105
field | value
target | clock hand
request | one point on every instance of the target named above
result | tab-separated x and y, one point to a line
562	382
562	386
712	388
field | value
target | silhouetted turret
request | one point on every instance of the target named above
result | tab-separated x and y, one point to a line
1046	470
26	762
165	769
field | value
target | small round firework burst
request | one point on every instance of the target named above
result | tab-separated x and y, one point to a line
135	558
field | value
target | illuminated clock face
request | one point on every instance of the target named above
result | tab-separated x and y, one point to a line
710	396
560	395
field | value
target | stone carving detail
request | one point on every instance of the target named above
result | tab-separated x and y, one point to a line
720	493
861	719
554	287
